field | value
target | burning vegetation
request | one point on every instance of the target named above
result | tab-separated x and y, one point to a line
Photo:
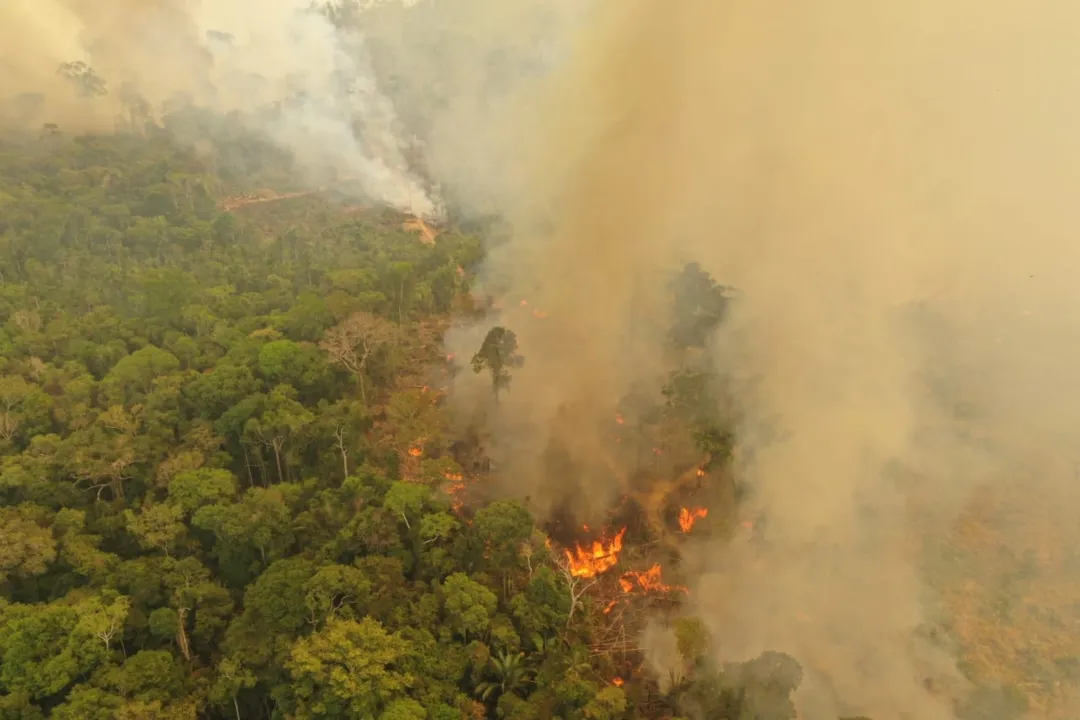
647	581
601	556
688	516
664	457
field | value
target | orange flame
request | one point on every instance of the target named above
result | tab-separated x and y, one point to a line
617	681
619	418
450	357
689	516
415	452
700	472
649	581
524	303
610	606
455	490
539	314
599	558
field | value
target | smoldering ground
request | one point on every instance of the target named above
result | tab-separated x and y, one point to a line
891	189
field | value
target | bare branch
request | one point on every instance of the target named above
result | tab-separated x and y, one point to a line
353	341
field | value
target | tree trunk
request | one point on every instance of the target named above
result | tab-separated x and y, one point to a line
247	466
363	386
277	458
117	486
340	435
401	302
236	707
262	469
181	634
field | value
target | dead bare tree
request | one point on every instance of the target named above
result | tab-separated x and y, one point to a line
576	585
182	641
353	341
339	438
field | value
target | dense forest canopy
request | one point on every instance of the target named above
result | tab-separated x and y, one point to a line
229	486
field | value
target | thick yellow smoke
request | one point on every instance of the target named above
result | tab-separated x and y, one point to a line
153	46
890	186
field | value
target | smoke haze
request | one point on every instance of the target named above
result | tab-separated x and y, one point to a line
889	188
301	73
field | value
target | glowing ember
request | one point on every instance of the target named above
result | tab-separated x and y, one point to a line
610	606
700	472
450	357
649	581
617	681
599	558
689	516
455	491
619	418
415	452
657	451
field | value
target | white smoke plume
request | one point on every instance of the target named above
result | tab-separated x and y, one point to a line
330	110
305	74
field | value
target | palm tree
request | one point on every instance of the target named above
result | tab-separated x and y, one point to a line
544	645
509	674
576	662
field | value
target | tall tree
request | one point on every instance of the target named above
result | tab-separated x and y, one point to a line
349	669
700	306
498	354
352	343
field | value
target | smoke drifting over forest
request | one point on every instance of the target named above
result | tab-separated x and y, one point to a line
383	92
889	188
